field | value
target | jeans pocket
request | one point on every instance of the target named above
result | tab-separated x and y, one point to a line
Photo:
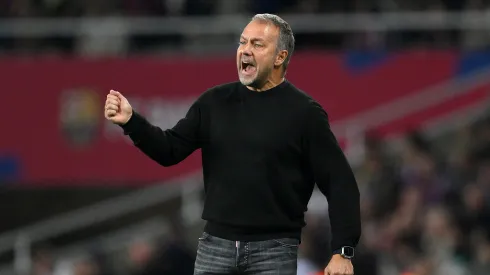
204	236
287	242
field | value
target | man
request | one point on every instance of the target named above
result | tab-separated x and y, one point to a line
264	145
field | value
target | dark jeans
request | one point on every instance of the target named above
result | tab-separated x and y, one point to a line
271	257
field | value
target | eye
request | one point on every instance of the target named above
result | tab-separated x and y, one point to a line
258	45
242	42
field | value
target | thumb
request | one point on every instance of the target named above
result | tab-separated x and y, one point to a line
116	93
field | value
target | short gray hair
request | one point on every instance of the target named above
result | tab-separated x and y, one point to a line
286	36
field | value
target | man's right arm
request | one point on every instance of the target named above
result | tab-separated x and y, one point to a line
166	147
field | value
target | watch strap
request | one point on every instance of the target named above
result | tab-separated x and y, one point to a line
345	251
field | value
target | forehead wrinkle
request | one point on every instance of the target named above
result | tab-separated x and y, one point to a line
253	38
267	32
270	30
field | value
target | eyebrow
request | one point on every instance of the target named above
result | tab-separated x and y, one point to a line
254	39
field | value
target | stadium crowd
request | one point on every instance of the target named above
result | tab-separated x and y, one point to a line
89	43
60	8
426	210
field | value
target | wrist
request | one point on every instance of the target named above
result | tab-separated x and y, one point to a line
129	118
339	257
126	123
346	252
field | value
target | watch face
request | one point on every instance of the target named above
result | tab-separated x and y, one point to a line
348	251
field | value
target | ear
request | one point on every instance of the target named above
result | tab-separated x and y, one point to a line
280	58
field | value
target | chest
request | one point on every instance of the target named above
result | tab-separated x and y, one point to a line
257	126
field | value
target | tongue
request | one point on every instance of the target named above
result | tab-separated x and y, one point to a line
250	69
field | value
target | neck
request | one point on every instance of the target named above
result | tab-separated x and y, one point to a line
270	83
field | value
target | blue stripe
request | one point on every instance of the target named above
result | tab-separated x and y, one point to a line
359	61
472	62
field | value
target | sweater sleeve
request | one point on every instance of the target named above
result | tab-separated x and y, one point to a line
166	147
334	178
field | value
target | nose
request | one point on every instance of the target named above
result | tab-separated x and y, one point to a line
246	50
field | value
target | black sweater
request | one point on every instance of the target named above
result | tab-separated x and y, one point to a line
262	153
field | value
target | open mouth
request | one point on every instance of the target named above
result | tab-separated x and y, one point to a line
248	68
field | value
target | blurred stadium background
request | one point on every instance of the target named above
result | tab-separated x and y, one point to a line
406	84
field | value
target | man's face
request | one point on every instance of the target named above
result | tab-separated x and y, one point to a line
256	53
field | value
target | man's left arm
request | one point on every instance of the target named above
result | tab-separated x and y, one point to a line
335	179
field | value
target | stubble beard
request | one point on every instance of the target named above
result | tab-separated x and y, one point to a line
253	81
247	81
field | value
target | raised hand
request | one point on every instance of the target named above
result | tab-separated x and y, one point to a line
117	108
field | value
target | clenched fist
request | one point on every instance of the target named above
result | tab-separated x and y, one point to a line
117	108
339	266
